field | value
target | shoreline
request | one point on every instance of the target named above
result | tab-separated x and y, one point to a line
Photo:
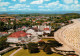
62	38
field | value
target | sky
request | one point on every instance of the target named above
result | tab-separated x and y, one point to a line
39	5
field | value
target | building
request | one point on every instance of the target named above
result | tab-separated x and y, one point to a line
10	31
3	34
47	30
34	36
44	28
31	31
24	28
18	37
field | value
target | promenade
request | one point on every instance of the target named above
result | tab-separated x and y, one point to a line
69	36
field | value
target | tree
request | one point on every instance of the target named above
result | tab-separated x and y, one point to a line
54	43
1	26
3	43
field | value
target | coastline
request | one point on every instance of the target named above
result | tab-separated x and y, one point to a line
59	36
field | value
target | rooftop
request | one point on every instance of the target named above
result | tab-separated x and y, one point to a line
18	34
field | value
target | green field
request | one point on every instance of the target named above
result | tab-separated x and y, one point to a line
46	39
10	52
25	52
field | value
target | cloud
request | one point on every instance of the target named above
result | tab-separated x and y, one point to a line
62	7
19	7
41	6
38	1
4	3
3	9
44	9
25	9
52	4
68	1
22	1
76	1
14	0
71	7
46	0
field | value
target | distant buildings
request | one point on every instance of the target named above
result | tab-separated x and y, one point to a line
43	30
30	34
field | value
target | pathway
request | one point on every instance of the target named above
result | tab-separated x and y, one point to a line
16	51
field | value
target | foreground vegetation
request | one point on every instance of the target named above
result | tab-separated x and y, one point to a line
25	52
3	43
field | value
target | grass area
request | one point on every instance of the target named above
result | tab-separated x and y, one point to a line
25	52
10	52
46	39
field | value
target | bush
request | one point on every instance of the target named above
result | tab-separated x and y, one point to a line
41	43
48	50
33	48
17	44
54	43
24	46
44	47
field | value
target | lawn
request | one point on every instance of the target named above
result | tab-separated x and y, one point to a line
10	52
46	39
25	52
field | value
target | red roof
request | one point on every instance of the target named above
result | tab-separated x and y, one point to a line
27	18
4	32
45	22
46	28
24	27
18	34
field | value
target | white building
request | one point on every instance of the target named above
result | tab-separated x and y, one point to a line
45	28
18	37
10	31
31	31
